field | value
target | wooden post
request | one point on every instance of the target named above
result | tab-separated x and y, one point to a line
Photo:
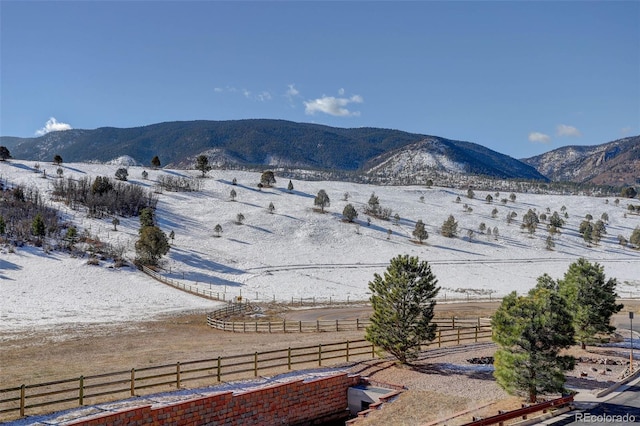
347	351
81	391
458	336
133	382
284	325
453	322
219	368
178	375
269	326
318	325
439	338
337	325
476	334
289	357
22	399
255	364
320	355
357	324
244	326
300	326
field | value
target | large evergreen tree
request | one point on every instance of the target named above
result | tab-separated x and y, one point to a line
152	245
531	331
155	162
591	298
403	301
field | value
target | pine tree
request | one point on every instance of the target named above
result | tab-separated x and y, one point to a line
530	221
122	174
373	205
403	301
531	331
202	164
217	230
38	227
155	162
449	227
590	297
267	179
57	159
322	200
290	186
420	232
4	153
349	213
151	246
635	237
147	217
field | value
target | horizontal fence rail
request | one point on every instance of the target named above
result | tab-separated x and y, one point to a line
218	319
92	389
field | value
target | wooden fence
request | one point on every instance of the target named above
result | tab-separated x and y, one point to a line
93	389
219	319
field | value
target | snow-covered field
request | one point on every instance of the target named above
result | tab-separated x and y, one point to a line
296	252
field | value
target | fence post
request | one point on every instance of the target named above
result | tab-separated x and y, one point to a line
219	368
476	334
439	338
300	326
133	382
289	357
458	336
22	399
337	325
320	355
255	364
318	325
373	350
178	375
357	324
284	325
347	351
453	322
269	326
81	391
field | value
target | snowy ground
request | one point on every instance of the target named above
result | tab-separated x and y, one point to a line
296	252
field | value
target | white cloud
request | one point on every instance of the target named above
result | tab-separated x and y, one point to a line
537	137
264	96
218	89
333	106
565	130
292	91
246	93
52	125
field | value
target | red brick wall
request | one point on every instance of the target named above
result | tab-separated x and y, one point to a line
289	403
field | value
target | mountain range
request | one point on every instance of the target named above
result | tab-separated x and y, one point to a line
373	151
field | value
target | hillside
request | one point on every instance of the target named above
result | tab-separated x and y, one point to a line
298	252
275	143
615	163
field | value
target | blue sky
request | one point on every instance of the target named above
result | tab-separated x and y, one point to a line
521	78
